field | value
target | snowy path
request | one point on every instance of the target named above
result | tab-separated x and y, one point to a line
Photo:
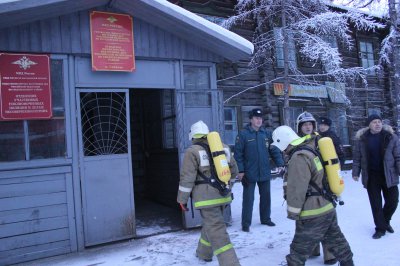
262	246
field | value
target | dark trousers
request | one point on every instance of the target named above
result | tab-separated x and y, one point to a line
323	229
264	188
376	188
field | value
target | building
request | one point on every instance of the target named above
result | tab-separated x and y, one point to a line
319	100
108	156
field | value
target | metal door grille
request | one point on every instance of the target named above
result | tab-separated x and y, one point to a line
104	123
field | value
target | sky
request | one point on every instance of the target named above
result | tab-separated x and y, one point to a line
266	246
378	7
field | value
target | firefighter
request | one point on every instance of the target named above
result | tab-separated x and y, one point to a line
210	196
315	215
307	125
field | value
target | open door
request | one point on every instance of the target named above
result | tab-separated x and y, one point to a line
205	106
105	165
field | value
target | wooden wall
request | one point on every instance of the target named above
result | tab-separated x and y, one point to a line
70	34
36	215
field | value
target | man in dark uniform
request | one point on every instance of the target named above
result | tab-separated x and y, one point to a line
324	126
252	154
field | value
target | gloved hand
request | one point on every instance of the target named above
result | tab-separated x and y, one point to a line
281	170
183	207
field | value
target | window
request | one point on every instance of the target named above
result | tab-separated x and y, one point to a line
279	49
38	139
230	125
197	79
331	40
374	111
294	112
339	124
168	118
367	56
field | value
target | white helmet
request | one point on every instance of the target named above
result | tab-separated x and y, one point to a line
305	117
283	136
198	130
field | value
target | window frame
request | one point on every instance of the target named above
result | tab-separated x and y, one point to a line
280	61
233	122
368	55
28	162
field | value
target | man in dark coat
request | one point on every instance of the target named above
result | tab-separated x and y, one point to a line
376	155
324	126
252	154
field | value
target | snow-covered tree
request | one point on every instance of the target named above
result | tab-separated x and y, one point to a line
308	25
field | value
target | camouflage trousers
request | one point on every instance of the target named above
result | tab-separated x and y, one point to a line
323	229
214	239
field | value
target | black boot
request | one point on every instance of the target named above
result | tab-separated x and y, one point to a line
347	263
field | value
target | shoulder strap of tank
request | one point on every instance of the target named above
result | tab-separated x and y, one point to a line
325	190
213	180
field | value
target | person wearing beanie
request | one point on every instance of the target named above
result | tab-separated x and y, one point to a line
376	155
252	154
324	130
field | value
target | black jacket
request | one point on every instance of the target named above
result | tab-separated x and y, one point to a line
336	142
390	156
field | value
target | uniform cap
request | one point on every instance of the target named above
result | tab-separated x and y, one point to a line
255	112
325	121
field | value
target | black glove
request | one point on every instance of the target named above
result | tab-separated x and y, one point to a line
183	207
245	183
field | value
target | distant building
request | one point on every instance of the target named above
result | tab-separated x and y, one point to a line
319	100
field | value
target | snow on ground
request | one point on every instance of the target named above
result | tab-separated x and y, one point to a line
262	246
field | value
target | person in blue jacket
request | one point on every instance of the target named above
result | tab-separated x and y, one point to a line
252	154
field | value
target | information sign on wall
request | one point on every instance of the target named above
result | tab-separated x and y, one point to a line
315	91
25	91
112	42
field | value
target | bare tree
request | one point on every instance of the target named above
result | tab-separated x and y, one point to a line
310	24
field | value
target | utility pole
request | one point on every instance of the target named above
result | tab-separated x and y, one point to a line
395	68
286	83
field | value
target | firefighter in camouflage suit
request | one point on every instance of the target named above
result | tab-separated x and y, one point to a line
315	216
194	181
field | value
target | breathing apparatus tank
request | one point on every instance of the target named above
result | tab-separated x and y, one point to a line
219	157
332	166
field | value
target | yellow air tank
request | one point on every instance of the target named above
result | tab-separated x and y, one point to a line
219	157
332	166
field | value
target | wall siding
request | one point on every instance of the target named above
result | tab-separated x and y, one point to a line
34	217
70	34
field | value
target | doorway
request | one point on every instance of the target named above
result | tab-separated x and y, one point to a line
155	161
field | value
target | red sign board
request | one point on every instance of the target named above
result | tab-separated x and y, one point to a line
25	91
112	42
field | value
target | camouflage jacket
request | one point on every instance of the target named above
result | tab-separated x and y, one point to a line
204	195
303	167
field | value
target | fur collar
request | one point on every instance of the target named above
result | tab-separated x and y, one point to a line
362	131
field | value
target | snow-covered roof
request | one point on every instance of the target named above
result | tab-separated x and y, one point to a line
160	13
